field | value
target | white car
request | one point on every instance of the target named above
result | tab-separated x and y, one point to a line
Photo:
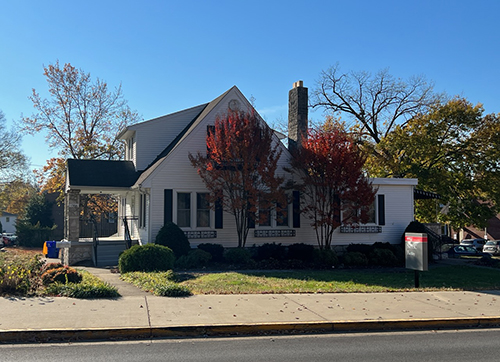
477	243
492	247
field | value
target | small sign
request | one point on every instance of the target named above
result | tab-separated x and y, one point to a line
416	250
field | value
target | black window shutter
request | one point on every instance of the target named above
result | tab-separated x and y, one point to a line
167	206
296	209
337	212
218	214
381	209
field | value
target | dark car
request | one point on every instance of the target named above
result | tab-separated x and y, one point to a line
463	250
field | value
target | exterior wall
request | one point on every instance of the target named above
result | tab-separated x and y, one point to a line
8	222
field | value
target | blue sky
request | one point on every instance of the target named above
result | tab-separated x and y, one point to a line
170	55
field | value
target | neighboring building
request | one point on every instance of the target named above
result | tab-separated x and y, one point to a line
8	221
157	183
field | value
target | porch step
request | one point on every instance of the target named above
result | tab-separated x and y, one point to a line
108	252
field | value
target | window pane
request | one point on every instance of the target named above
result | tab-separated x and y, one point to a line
281	216
183	209
202	210
264	213
371	214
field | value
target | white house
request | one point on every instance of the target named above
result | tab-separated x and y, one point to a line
8	221
157	183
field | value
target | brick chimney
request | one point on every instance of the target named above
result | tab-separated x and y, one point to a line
297	115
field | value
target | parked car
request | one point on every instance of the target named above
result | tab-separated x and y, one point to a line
492	247
477	243
463	250
8	239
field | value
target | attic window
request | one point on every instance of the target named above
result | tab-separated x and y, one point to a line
130	149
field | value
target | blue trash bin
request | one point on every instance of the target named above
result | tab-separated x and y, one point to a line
52	251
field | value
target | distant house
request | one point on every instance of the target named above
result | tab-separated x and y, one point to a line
8	221
156	184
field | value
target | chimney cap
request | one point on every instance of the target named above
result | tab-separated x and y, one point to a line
298	84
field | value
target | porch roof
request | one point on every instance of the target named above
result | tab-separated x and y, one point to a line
100	174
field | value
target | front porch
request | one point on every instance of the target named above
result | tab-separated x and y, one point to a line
101	253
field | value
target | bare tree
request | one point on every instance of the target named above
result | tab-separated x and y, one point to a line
375	103
13	162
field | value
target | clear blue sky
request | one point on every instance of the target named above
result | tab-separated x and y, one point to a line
170	55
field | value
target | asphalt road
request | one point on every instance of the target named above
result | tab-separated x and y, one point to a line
442	346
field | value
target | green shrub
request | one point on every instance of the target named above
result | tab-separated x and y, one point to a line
271	251
150	257
171	290
301	251
355	258
360	248
216	250
326	258
63	275
195	259
238	256
383	257
171	236
32	235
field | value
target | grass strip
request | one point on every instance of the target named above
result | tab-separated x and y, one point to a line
460	277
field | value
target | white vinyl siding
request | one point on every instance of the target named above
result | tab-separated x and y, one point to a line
177	174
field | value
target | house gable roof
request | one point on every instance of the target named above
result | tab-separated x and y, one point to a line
192	125
100	174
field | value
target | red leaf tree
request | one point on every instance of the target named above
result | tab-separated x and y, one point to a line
334	189
239	168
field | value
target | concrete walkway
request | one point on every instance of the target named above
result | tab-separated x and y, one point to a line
138	314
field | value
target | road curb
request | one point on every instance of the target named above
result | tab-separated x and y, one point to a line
107	334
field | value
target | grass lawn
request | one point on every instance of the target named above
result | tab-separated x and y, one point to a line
446	277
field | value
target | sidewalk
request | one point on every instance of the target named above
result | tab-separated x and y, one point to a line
138	314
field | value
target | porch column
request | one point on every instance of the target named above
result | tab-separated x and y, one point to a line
72	215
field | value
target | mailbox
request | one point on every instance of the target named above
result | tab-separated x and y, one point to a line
416	251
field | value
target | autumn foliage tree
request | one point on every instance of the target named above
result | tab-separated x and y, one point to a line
239	168
334	189
81	120
453	150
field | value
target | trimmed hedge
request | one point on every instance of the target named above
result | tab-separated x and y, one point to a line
147	258
215	250
171	236
194	260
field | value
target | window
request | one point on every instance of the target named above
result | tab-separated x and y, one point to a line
282	215
183	209
371	214
143	210
7	219
130	149
351	214
264	214
273	217
202	210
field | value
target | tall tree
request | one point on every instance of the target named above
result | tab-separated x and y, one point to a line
13	162
373	103
15	195
82	119
239	168
334	189
453	150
